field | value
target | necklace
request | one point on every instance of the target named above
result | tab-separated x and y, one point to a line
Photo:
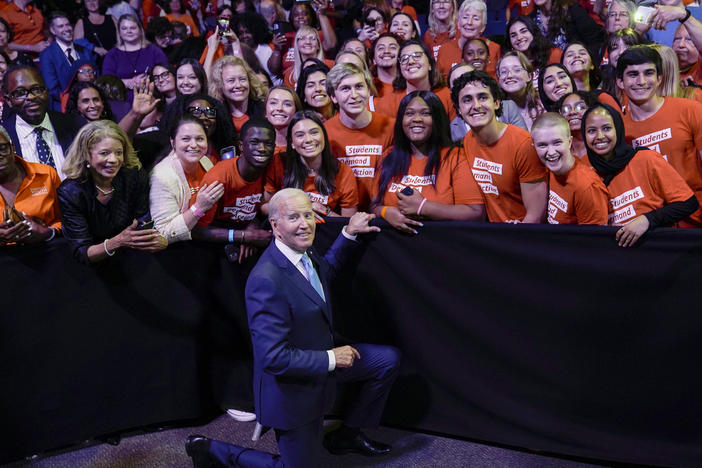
105	192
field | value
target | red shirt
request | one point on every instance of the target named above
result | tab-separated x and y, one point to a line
361	150
500	168
27	25
241	200
578	197
452	185
450	54
36	195
675	131
646	184
344	196
388	104
435	43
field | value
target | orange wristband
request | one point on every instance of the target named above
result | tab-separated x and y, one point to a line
382	213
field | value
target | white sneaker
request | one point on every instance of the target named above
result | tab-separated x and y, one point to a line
241	416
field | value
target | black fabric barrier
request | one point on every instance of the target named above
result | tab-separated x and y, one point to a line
134	341
548	338
542	337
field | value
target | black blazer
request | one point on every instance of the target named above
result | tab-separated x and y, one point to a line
65	126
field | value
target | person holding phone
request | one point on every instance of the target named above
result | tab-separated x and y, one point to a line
425	175
105	196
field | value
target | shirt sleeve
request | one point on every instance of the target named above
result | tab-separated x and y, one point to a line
592	206
346	186
527	162
465	188
73	218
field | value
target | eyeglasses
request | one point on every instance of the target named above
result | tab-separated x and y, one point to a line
22	93
210	112
414	55
5	148
578	107
163	76
86	71
507	71
617	15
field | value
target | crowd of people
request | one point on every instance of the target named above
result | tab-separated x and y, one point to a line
129	124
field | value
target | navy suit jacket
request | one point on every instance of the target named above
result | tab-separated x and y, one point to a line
65	126
291	331
55	68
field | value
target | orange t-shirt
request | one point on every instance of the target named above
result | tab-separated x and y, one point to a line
452	185
450	54
388	104
195	182
344	196
361	149
188	21
524	7
435	43
409	9
555	55
291	81
675	131
28	26
241	200
579	197
36	195
646	184
500	168
239	121
695	73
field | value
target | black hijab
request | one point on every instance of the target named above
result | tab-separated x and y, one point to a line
622	151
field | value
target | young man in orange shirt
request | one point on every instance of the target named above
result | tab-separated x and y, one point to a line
233	218
501	156
670	126
576	193
358	137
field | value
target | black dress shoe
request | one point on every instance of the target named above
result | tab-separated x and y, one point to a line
198	448
339	445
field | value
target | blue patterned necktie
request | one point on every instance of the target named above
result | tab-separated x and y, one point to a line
43	149
313	276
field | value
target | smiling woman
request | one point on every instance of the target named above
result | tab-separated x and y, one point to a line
309	165
87	101
178	197
105	197
644	190
425	176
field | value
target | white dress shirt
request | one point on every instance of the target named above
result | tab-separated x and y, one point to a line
296	259
28	142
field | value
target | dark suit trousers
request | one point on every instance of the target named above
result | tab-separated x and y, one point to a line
299	448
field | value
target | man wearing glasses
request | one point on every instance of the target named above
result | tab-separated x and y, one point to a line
38	134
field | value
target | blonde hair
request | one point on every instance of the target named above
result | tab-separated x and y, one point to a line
341	71
257	90
533	102
364	68
670	74
129	17
297	65
434	24
92	133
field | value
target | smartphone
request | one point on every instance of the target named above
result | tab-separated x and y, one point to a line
145	225
227	153
223	23
407	191
643	14
370	22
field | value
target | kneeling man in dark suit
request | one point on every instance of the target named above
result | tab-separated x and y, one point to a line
296	362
